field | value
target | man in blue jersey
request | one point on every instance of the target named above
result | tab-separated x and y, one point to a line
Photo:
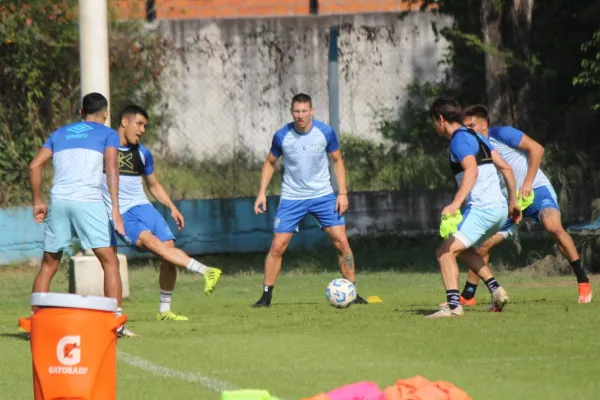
473	162
524	155
144	226
306	189
79	151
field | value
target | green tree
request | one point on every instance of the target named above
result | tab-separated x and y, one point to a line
39	60
590	67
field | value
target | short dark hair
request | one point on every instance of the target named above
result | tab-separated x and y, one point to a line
301	98
132	109
93	103
477	110
448	108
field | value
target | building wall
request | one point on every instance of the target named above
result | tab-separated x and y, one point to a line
218	9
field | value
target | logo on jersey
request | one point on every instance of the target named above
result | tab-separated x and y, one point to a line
77	131
68	353
125	160
313	148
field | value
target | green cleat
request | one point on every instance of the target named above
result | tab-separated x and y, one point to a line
170	316
211	277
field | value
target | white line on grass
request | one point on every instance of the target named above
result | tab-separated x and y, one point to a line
212	384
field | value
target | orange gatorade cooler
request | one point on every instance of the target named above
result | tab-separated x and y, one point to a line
73	346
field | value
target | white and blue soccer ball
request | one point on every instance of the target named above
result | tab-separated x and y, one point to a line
341	293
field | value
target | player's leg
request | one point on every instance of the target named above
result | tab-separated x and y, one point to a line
446	255
288	217
166	281
467	297
50	263
93	228
58	234
334	224
147	229
549	216
477	226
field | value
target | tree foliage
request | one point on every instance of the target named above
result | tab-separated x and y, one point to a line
40	80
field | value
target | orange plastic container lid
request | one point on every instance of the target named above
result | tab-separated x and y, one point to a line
68	300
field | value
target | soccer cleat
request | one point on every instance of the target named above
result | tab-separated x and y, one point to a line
360	300
170	316
469	303
263	302
585	293
498	300
124	332
211	277
446	312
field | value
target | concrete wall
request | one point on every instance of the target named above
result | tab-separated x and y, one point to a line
235	78
230	225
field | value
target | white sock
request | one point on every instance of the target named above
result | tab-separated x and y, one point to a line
165	301
118	313
196	266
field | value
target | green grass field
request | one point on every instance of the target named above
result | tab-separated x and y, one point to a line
544	346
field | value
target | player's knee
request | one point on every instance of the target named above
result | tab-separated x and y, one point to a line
341	243
442	252
277	249
555	230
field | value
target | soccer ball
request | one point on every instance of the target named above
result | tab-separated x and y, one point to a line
341	293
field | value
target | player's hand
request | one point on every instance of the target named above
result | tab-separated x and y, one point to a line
39	213
118	221
525	190
514	211
341	203
260	205
450	209
178	218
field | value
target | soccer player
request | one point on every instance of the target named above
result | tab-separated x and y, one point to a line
144	226
524	155
78	152
473	162
306	189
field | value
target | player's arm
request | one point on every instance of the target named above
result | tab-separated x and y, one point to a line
267	172
35	181
511	186
340	171
35	173
268	169
158	191
112	182
536	153
340	175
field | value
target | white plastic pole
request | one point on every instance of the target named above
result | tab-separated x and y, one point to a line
93	48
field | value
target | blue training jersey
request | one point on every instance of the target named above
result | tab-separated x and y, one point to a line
78	159
306	166
506	140
486	192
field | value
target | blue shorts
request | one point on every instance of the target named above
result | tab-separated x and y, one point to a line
67	218
144	218
480	224
290	213
545	197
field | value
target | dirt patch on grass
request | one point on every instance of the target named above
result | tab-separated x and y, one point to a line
549	266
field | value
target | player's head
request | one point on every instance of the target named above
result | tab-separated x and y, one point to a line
477	117
94	107
302	110
133	121
445	112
